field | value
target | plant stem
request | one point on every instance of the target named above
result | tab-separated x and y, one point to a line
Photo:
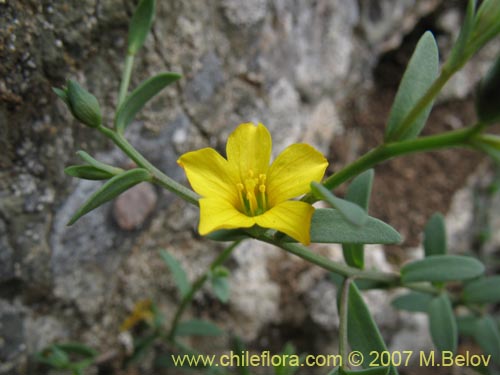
127	72
186	300
338	268
158	176
343	310
388	151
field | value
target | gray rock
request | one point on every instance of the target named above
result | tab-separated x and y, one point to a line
134	206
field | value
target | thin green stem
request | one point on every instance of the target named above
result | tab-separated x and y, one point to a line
338	268
158	176
344	307
186	300
388	151
127	73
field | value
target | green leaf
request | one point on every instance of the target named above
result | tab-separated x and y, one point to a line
99	165
487	336
111	189
78	348
442	268
62	94
435	236
442	323
178	272
140	96
334	371
285	367
457	57
420	74
352	212
141	23
486	25
87	172
466	325
53	356
358	192
220	286
329	226
484	290
197	327
363	332
412	301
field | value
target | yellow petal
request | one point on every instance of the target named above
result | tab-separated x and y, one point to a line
290	217
292	172
249	148
209	174
218	214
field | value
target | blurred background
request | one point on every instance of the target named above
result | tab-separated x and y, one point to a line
323	72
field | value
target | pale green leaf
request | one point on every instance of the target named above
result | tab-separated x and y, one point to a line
442	268
363	332
442	323
435	236
140	24
220	287
177	271
352	212
412	301
358	192
487	335
114	187
421	72
197	327
87	172
330	226
140	96
484	290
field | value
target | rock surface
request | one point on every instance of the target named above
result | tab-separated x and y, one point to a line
290	65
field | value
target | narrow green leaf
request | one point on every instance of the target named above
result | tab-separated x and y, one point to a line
220	286
442	268
87	172
334	371
111	189
62	94
421	72
466	325
77	348
99	165
358	192
487	336
363	332
177	271
484	290
352	212
330	226
435	236
197	327
238	346
412	301
457	57
140	24
442	323
140	96
486	25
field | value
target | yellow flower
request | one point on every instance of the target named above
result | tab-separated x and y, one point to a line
244	190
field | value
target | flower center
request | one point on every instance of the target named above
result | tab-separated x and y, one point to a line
252	192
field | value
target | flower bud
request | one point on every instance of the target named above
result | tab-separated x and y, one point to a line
83	105
488	95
